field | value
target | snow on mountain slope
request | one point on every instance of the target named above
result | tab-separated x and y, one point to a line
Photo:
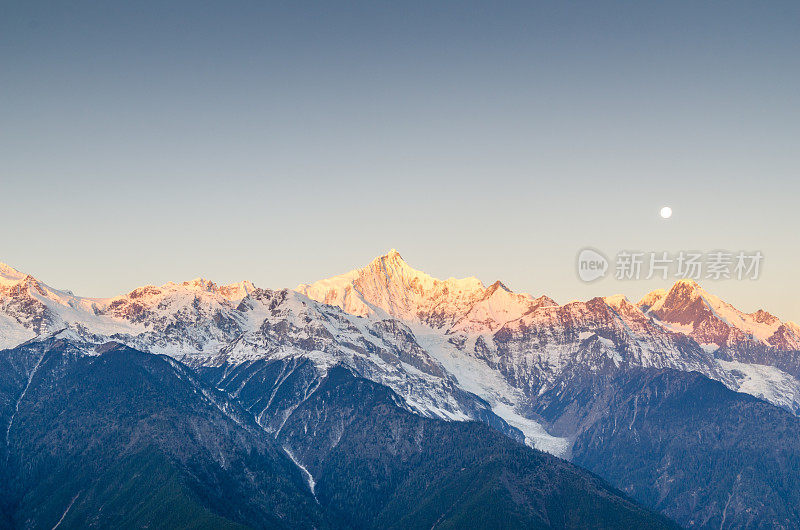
477	377
786	337
437	310
765	382
497	307
535	343
169	319
12	333
196	317
557	343
9	276
30	307
385	351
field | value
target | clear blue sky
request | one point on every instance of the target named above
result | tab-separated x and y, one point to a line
285	142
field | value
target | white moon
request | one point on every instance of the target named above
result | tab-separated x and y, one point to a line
666	212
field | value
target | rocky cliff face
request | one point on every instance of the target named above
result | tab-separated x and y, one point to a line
704	455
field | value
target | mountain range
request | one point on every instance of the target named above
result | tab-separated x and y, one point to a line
330	404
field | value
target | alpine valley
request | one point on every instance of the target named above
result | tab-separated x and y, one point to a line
384	398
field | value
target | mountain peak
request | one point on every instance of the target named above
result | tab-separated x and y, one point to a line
651	298
681	293
237	291
686	284
202	284
498	285
390	284
689	308
391	258
763	317
234	291
10	276
616	300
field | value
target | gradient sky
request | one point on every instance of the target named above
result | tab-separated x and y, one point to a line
284	142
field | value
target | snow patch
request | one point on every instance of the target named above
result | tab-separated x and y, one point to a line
475	376
309	477
765	382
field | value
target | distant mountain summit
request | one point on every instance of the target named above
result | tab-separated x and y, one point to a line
389	286
10	276
690	309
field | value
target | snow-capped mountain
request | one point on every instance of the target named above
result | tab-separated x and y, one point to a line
535	343
692	310
204	324
172	319
454	349
388	285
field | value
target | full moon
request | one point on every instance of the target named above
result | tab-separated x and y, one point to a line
666	212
